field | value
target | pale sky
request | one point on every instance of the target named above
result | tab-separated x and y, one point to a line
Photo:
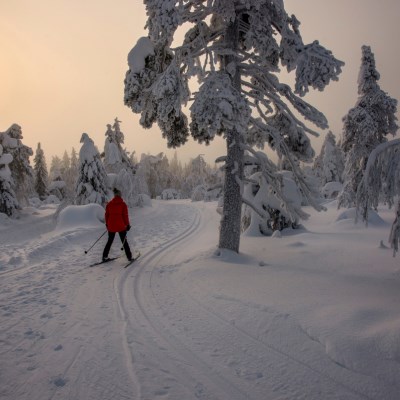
63	64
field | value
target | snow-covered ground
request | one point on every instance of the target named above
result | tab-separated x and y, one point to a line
311	315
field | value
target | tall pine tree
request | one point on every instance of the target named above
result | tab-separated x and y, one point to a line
234	48
41	174
366	126
21	170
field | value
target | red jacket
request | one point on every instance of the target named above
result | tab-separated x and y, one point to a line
116	217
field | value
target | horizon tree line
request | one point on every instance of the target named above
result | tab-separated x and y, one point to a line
365	129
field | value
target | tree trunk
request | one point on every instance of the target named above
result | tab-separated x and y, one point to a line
229	237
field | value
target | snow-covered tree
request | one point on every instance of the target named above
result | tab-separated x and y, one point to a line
56	166
141	186
21	170
115	156
329	165
381	183
91	186
381	179
41	174
394	237
65	164
263	210
117	161
176	172
57	186
112	154
198	179
156	171
234	48
365	126
73	169
64	184
8	200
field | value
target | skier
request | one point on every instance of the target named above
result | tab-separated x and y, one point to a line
117	220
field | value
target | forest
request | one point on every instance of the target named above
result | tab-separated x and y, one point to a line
245	104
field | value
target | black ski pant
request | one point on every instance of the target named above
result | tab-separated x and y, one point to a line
122	236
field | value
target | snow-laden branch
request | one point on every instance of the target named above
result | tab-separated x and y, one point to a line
279	104
264	215
381	179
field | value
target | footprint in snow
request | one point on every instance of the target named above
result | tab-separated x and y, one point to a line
59	382
297	244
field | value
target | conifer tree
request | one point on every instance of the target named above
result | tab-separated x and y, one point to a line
41	174
366	126
329	165
234	48
115	156
73	166
69	174
56	166
117	161
21	170
65	165
91	184
8	200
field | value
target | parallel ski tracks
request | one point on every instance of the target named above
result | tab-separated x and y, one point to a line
145	320
182	362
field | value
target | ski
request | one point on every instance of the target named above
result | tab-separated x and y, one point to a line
103	262
137	255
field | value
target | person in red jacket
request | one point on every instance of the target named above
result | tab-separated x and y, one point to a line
117	220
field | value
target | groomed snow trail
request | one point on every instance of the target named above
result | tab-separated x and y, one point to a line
153	330
184	346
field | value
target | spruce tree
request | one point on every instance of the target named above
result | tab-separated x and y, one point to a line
91	186
234	48
329	165
21	170
41	174
366	126
8	200
117	161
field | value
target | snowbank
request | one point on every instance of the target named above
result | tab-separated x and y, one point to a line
348	218
86	216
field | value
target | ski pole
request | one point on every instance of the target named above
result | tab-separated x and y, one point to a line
86	251
123	243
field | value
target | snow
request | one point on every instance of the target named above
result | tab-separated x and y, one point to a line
137	56
73	217
309	314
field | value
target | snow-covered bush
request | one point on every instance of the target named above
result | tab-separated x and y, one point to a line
35	202
331	190
143	200
51	199
87	216
170	194
264	212
58	188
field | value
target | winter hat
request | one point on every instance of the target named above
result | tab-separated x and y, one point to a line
117	192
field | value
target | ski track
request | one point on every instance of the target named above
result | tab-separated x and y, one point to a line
72	332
